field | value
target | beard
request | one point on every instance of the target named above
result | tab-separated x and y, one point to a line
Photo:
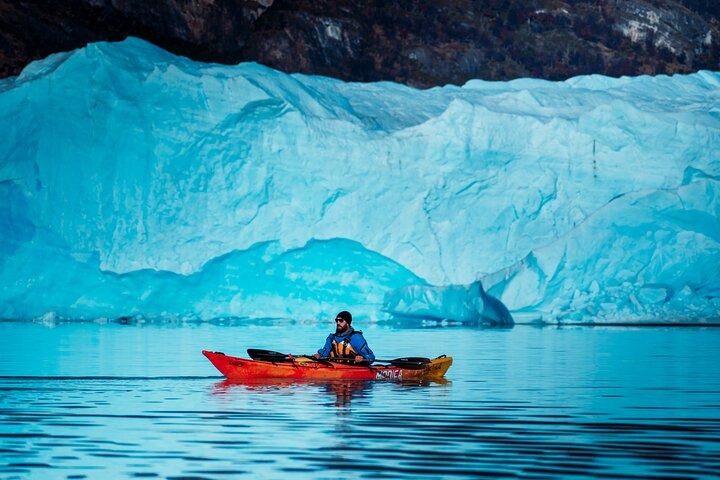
340	331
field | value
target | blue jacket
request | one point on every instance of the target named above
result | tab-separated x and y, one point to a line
357	342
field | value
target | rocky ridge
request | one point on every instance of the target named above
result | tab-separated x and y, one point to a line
417	42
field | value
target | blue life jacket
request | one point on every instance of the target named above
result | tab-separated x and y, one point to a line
347	346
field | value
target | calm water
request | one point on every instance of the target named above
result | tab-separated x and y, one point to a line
131	401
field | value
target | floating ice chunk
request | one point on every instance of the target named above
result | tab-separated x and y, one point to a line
465	303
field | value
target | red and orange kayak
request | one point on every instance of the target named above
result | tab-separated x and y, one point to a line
236	368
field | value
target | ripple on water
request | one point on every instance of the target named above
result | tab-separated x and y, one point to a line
524	403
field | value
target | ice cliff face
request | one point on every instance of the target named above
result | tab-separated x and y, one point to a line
136	182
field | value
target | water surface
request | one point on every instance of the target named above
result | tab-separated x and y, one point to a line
85	400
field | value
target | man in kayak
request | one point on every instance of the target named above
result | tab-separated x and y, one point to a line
346	342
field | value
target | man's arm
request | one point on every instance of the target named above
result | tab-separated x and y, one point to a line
325	351
360	345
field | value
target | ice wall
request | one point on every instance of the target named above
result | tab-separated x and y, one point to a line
569	201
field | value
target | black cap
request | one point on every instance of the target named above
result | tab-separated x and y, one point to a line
345	315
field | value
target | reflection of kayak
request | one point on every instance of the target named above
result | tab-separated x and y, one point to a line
306	367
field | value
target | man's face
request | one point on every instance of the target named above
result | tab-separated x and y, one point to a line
340	325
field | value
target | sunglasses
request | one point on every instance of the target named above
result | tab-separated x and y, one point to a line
339	320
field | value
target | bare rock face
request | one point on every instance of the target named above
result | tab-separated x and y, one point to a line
207	30
418	42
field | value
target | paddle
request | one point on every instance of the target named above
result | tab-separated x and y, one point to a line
409	363
268	355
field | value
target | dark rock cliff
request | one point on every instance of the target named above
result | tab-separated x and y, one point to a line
421	43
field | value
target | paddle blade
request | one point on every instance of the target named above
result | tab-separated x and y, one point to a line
422	360
267	355
408	363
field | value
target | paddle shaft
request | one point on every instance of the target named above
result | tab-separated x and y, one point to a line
414	363
409	360
269	355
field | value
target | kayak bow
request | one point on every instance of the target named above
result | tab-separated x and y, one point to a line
236	368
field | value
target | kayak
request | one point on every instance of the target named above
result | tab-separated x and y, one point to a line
236	368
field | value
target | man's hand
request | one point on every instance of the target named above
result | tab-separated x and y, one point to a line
359	358
316	356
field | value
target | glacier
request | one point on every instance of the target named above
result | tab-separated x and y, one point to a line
134	182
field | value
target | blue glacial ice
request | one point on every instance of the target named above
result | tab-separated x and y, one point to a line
136	182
